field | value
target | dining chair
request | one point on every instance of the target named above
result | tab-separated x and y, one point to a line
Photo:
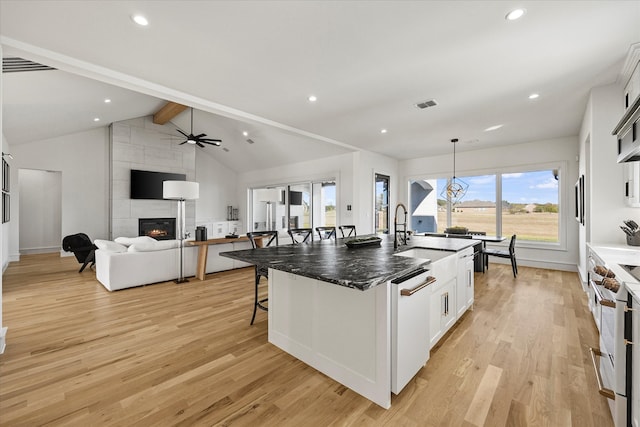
269	238
300	235
326	233
511	254
351	230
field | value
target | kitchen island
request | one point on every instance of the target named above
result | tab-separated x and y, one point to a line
363	316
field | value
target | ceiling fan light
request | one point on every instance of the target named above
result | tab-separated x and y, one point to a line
191	141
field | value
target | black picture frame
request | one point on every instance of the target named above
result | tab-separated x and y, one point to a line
6	176
6	207
582	207
577	201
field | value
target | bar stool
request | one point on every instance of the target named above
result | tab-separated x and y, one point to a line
350	228
300	235
260	270
326	233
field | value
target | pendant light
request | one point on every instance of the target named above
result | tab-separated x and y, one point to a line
456	188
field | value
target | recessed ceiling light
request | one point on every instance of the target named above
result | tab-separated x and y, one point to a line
312	98
490	128
383	131
140	20
534	96
96	119
245	133
515	14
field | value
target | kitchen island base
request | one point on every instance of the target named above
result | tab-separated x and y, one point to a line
342	332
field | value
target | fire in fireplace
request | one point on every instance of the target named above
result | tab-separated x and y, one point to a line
158	228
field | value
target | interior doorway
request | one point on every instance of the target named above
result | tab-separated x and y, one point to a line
40	221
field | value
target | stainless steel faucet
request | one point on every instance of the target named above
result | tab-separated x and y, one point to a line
396	224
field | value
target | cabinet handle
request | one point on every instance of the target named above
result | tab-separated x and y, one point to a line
606	392
446	304
409	292
627	308
627	342
602	300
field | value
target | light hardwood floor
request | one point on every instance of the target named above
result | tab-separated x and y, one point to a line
185	354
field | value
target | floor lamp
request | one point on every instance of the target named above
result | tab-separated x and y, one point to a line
181	191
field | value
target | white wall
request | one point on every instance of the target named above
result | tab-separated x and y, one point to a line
479	162
40	211
83	160
218	188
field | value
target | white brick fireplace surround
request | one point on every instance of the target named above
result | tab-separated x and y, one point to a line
141	144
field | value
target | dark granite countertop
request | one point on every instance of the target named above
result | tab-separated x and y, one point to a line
360	268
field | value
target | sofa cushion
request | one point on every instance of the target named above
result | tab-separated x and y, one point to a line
156	245
109	246
128	241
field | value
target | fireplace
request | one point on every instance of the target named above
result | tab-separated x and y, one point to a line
158	228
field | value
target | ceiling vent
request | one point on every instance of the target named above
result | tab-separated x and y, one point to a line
250	141
17	65
426	104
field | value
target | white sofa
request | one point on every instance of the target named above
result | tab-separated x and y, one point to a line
120	266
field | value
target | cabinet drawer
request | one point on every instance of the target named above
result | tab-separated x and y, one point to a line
410	329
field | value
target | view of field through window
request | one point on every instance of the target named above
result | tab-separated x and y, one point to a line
529	206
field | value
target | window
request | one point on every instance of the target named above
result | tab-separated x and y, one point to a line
382	204
530	205
300	205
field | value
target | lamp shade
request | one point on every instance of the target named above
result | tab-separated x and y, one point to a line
269	195
180	190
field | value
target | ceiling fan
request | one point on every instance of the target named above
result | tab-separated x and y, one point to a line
198	140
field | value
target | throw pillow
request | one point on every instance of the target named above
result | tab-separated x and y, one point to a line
157	245
109	246
128	241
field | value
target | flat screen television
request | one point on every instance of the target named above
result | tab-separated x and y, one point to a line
148	184
295	198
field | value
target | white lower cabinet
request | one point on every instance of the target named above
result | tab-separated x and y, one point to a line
464	282
635	373
442	306
410	328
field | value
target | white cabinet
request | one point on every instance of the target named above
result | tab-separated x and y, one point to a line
632	184
635	374
632	88
410	328
464	282
442	307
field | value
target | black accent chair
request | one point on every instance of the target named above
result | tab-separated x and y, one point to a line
511	254
351	230
326	233
300	235
267	239
82	248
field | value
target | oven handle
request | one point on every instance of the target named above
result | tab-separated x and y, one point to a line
602	300
606	392
409	292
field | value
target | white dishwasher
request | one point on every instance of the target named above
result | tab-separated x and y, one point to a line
409	326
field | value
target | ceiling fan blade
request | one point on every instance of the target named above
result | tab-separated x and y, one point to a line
183	142
199	145
185	135
210	140
201	135
217	144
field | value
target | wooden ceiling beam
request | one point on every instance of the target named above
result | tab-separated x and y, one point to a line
168	112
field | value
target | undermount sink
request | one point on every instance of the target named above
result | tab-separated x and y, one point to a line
423	253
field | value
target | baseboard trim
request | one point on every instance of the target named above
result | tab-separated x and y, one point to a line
44	250
549	265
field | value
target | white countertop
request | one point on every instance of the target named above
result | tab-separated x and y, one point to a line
615	254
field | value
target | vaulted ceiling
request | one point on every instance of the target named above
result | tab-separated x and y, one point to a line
251	66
